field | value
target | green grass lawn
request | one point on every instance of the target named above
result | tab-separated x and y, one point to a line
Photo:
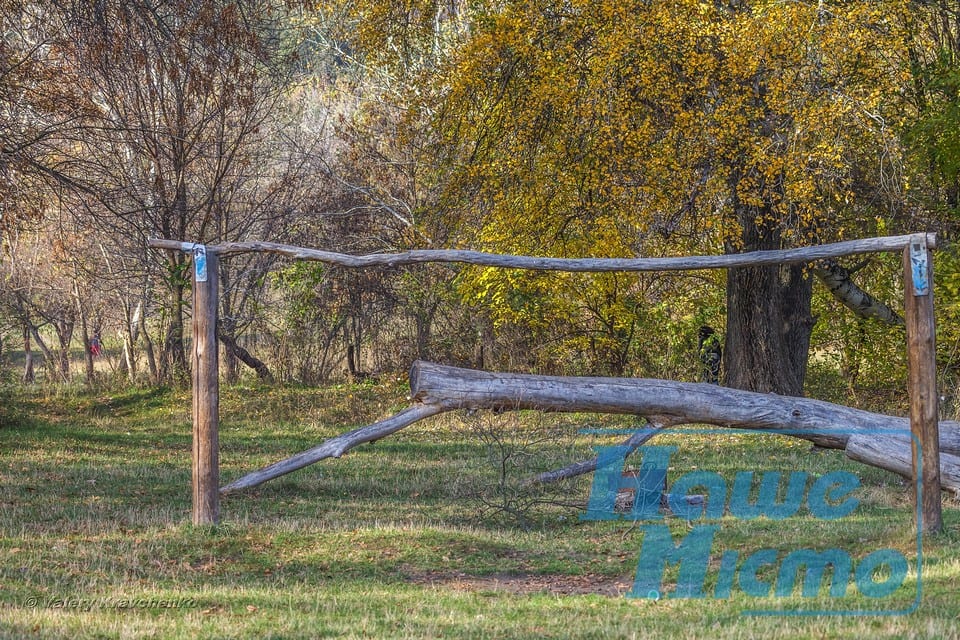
430	533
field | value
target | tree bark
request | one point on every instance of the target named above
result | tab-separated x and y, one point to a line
824	423
50	362
205	374
173	365
230	362
838	280
64	330
589	466
148	348
227	331
85	335
893	454
175	355
335	447
353	364
768	318
799	255
766	347
129	336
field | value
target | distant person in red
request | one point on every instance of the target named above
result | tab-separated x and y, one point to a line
95	348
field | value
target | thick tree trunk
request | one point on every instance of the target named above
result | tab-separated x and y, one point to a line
768	329
768	312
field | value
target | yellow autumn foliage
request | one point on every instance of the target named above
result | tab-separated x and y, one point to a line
629	127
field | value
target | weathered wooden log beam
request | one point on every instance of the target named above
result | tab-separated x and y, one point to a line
753	258
438	388
827	424
206	392
894	454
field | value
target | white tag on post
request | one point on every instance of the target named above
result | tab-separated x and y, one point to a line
200	262
918	266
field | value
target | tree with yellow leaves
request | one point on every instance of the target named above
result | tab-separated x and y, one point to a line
624	127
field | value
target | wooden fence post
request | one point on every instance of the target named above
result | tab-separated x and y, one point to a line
922	379
206	389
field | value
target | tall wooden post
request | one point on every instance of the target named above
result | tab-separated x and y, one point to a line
922	379
206	389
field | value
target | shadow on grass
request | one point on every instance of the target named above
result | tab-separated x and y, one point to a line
131	401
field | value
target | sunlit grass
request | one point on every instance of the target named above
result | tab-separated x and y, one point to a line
400	538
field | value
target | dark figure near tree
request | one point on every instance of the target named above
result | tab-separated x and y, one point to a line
711	354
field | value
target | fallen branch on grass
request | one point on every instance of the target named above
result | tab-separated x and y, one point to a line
655	426
335	447
437	388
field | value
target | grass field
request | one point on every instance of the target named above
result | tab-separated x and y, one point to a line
427	534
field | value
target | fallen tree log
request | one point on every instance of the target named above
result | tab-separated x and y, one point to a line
824	423
841	285
437	388
894	454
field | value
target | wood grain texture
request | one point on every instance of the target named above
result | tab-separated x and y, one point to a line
894	454
922	388
825	423
206	398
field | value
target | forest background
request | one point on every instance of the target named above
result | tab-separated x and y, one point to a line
576	129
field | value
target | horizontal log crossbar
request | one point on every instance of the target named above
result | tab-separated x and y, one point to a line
594	265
